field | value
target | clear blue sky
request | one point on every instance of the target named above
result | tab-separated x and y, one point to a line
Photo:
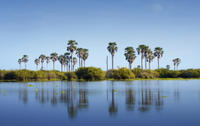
35	27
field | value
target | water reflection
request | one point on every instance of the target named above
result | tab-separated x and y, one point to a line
77	96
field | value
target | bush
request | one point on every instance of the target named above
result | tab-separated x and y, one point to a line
71	76
120	74
90	73
190	73
165	73
145	74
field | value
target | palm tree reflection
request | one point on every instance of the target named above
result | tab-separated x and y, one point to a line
113	108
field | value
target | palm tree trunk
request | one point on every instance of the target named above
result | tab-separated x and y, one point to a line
71	61
145	63
79	61
53	65
42	67
84	63
25	66
149	65
47	66
142	57
158	63
130	66
174	67
177	67
112	62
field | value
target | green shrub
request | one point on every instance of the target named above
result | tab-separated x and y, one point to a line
190	73
120	74
71	76
145	74
90	73
165	73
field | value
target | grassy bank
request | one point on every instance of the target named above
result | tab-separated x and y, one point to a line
96	74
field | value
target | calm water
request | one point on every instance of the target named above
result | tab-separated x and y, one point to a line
106	103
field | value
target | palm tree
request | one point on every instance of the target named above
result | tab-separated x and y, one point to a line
150	57
146	55
20	62
141	50
42	59
61	59
158	52
48	59
54	58
79	53
74	60
72	45
85	55
37	62
176	62
112	48
67	60
25	60
130	55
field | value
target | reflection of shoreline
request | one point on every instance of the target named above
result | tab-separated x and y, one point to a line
143	98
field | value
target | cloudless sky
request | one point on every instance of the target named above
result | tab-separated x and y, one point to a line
35	27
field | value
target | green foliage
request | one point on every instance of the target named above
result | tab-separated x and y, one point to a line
165	73
90	73
120	74
190	73
28	75
145	74
71	76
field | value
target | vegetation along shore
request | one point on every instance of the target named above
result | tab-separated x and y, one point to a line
74	55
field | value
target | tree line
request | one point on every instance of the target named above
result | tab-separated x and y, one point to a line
147	55
69	59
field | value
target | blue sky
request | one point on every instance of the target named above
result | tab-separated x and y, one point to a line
35	27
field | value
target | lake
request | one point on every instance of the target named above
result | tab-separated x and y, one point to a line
104	103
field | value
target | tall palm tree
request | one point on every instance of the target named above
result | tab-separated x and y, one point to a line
74	60
146	55
54	58
20	62
25	60
112	48
79	53
61	59
42	58
130	55
141	50
72	45
150	57
37	62
158	52
48	59
176	62
67	60
85	55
